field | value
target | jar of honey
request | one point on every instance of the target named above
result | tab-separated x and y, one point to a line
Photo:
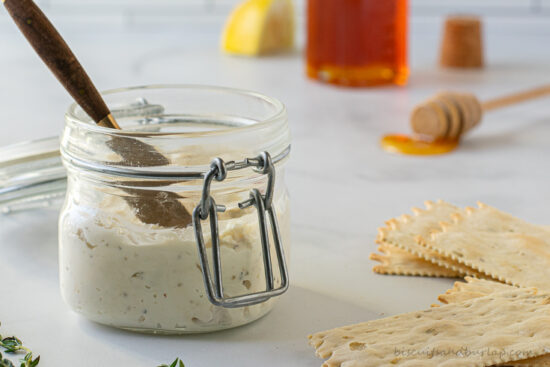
357	42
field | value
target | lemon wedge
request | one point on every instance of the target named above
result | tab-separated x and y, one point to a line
258	27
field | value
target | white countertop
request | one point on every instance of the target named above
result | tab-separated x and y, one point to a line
343	186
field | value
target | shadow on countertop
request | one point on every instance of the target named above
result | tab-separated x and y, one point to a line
524	135
277	339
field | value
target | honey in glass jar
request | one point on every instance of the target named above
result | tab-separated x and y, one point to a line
357	42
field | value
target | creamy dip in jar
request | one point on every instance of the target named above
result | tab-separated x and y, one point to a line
117	269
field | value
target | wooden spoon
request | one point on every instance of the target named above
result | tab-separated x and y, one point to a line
153	207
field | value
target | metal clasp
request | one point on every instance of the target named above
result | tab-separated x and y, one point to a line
207	208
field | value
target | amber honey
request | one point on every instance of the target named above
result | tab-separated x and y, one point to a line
357	42
404	144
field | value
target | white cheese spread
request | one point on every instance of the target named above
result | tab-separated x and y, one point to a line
118	271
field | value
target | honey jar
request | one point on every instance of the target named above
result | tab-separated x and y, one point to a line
357	42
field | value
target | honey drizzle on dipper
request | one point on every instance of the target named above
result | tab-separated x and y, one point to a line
441	120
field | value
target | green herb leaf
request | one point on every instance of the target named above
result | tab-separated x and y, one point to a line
174	364
35	362
28	361
5	362
13	345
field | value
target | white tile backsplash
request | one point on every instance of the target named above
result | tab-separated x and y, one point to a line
198	7
169	13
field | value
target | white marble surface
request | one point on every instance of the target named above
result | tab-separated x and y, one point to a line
343	186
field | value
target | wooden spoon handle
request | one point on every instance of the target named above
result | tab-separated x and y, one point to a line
57	55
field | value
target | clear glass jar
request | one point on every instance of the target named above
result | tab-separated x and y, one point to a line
125	266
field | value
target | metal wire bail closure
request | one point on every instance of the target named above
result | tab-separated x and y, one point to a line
207	208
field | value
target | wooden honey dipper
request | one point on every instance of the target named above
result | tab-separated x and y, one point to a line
449	115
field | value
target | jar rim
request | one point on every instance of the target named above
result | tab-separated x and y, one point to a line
280	112
233	124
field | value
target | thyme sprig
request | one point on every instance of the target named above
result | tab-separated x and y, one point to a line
174	364
13	345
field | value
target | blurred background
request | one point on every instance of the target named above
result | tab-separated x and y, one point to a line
132	42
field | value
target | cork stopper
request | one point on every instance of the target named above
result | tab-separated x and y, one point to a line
447	115
461	46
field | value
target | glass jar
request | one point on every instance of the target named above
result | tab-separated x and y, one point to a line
357	42
133	227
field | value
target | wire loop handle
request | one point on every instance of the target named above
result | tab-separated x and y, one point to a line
207	208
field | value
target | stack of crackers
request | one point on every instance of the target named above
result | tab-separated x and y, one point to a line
500	315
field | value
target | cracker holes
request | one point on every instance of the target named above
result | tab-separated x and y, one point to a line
357	346
458	254
432	331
